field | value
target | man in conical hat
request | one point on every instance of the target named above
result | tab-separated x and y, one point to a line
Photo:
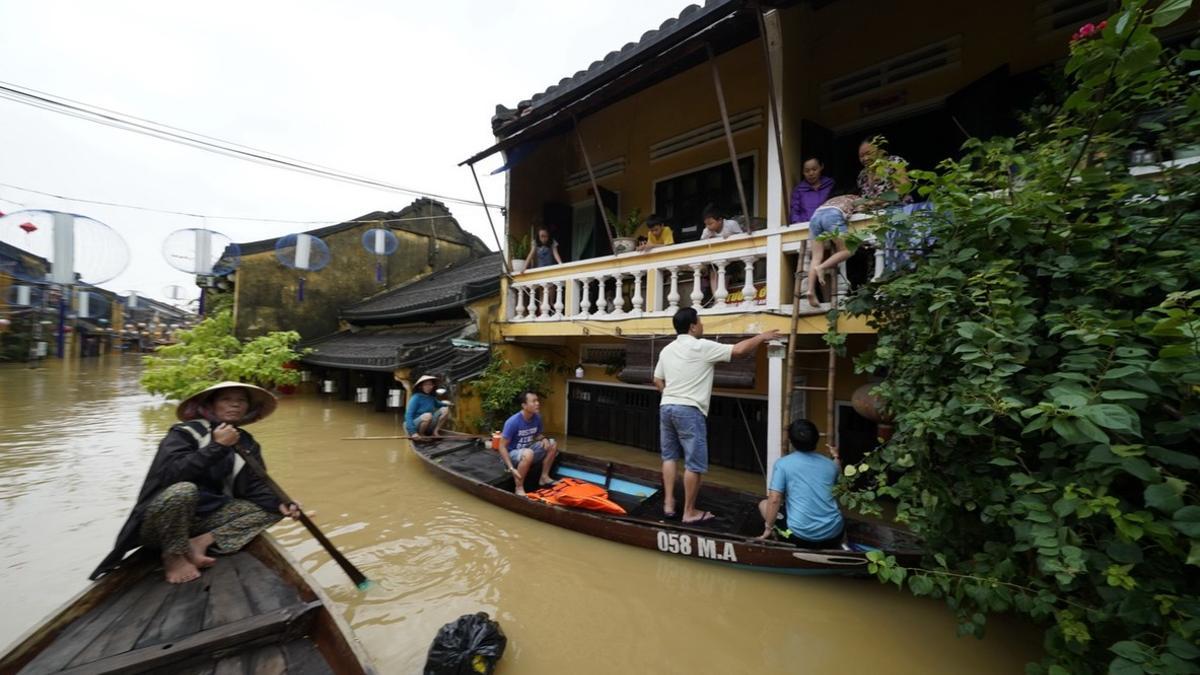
196	500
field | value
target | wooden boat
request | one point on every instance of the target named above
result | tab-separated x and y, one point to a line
256	611
729	539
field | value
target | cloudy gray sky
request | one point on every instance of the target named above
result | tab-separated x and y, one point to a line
399	91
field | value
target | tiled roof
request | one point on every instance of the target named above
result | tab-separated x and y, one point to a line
451	231
451	287
382	348
690	20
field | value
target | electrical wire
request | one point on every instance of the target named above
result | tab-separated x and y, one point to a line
201	215
79	110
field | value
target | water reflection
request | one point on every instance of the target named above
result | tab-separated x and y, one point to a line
76	440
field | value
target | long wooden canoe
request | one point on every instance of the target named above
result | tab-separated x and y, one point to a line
256	611
729	539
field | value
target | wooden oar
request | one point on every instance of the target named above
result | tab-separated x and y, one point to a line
360	580
407	438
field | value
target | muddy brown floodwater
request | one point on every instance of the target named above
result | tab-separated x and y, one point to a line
76	438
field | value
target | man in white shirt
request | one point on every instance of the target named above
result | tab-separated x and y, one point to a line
684	375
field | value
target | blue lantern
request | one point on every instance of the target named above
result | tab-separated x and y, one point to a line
381	242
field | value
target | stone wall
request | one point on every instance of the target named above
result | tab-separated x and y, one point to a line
266	291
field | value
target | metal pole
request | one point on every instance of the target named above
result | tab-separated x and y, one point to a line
737	172
486	210
62	322
587	164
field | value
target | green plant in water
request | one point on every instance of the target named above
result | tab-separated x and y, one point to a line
501	384
209	353
1042	352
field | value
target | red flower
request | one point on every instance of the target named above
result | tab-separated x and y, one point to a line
287	389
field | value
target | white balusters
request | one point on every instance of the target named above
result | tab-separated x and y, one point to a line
618	294
637	292
748	290
721	293
673	296
544	309
519	309
585	305
602	303
697	292
560	288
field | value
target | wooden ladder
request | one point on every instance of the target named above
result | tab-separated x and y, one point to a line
793	350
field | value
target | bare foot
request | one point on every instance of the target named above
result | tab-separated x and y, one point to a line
520	492
179	569
546	481
199	553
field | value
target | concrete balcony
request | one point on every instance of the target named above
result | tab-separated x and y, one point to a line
746	274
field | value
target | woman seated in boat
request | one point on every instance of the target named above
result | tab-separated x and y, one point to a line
425	414
804	477
196	499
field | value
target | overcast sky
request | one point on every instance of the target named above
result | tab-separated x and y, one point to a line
399	91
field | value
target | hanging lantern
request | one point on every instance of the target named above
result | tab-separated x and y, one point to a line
380	242
362	395
79	248
328	386
202	252
304	253
395	398
305	376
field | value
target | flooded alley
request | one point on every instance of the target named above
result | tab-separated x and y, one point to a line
76	437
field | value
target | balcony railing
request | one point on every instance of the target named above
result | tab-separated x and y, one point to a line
742	273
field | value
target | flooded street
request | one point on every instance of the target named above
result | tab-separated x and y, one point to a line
76	438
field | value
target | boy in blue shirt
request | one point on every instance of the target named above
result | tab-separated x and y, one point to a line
522	443
811	518
425	415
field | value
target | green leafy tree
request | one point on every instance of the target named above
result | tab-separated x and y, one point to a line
1041	357
209	353
500	385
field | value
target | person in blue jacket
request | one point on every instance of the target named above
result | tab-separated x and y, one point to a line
425	415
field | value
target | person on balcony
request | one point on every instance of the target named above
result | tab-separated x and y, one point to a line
544	252
425	414
684	376
880	174
831	217
810	517
655	233
523	442
811	192
716	225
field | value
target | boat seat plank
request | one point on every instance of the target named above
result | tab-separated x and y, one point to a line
303	658
265	590
224	640
227	601
125	630
81	632
181	615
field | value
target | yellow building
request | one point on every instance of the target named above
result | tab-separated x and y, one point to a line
658	125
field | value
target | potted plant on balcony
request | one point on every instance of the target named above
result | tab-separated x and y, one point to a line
518	249
625	229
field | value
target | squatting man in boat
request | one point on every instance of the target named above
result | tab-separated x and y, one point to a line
522	442
196	500
810	518
425	414
684	375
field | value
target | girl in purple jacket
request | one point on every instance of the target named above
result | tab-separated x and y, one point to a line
811	192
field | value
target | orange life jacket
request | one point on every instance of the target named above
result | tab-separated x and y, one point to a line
577	493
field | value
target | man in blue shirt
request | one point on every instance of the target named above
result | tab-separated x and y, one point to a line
425	415
806	478
522	443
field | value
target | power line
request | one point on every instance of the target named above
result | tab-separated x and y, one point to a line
205	216
79	110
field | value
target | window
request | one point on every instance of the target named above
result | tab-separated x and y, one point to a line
602	355
681	199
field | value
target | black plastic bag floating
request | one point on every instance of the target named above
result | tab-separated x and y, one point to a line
471	644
